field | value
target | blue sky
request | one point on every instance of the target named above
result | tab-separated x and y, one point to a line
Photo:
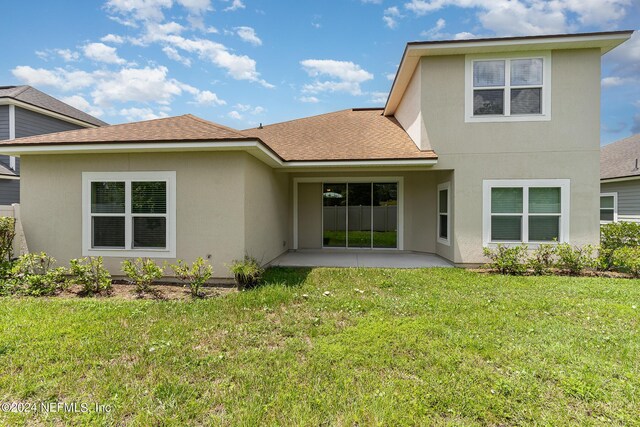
244	62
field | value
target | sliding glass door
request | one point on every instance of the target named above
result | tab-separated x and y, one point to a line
360	215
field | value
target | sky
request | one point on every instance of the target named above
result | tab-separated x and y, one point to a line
245	62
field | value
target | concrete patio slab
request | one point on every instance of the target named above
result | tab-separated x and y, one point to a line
348	258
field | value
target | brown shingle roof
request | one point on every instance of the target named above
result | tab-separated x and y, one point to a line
343	135
620	159
180	128
33	96
358	134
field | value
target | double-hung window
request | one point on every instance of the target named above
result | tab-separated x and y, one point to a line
526	211
508	88
608	207
129	214
444	210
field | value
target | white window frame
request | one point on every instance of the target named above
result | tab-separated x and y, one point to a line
167	176
507	117
615	207
526	184
442	187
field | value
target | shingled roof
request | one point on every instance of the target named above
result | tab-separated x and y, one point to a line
33	96
621	159
355	134
358	134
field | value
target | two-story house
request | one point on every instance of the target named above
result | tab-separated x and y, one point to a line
25	111
481	142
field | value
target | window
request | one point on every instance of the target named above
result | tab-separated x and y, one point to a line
608	207
526	211
444	207
129	214
508	89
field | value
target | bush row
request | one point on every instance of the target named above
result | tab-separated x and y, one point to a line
619	250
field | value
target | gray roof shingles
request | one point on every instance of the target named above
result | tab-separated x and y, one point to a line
33	96
621	158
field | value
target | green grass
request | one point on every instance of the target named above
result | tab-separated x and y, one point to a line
416	347
359	239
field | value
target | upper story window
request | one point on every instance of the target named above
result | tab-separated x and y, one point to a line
514	88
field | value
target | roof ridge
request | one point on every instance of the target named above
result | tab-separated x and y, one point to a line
213	124
299	118
24	89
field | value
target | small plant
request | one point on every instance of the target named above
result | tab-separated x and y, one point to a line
7	235
614	236
575	259
627	259
542	259
34	275
507	260
195	275
91	274
247	272
142	272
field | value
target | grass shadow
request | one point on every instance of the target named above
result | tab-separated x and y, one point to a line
286	276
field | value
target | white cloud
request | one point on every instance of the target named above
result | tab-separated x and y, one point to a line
235	115
435	31
372	1
616	81
378	97
246	108
137	85
208	98
82	104
144	10
100	52
175	55
464	36
309	99
136	114
248	34
391	16
235	5
112	38
196	6
530	17
68	55
391	76
346	76
58	78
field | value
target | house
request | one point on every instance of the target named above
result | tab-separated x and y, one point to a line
480	142
25	111
620	180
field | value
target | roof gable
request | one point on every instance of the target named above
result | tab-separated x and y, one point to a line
620	159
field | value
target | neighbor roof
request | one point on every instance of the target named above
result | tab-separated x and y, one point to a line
358	134
620	159
5	171
33	96
355	134
605	41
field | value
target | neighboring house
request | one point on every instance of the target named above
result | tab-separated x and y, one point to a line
25	111
481	142
620	180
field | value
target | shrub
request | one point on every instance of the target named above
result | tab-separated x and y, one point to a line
7	234
91	274
507	260
542	259
614	236
247	272
574	259
195	275
627	259
142	272
34	274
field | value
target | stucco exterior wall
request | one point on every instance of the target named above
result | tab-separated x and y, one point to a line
210	202
567	146
409	113
309	215
266	195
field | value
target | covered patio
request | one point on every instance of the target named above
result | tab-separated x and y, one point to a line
354	258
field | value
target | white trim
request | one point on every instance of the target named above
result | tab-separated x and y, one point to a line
256	148
338	179
615	206
11	177
623	179
565	198
12	121
442	187
507	117
128	177
14	102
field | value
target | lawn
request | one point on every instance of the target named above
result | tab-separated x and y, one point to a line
383	347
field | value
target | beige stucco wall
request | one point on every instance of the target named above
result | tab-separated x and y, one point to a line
266	210
210	202
419	207
409	113
567	146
